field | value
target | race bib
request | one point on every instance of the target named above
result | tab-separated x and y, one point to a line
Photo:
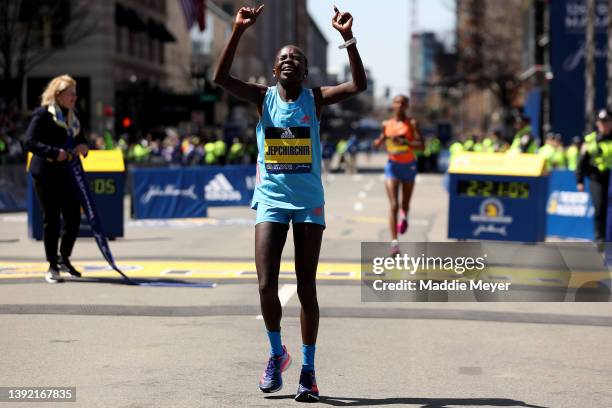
397	145
288	150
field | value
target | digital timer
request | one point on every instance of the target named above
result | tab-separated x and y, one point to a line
504	189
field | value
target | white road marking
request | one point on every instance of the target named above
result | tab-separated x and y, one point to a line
362	194
284	294
422	222
358	206
14	218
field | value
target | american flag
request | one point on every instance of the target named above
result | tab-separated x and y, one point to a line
195	11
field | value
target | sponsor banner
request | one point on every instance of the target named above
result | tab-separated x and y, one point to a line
228	185
13	188
167	193
567	59
569	213
485	272
11	202
187	192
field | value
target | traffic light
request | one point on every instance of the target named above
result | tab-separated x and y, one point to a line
126	123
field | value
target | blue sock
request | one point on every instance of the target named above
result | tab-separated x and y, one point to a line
308	354
276	346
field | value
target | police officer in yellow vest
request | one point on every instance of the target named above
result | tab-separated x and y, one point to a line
595	163
558	157
547	150
456	147
523	142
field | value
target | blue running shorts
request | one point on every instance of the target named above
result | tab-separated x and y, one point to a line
405	172
266	213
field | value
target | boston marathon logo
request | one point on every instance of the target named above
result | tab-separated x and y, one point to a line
288	150
491	213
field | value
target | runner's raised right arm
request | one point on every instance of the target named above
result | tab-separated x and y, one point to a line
250	92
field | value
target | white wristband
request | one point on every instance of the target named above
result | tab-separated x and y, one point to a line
348	43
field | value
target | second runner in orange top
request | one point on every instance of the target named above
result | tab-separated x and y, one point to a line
399	136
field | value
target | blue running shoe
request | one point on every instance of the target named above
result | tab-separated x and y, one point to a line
307	390
271	380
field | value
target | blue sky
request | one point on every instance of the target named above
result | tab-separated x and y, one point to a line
382	34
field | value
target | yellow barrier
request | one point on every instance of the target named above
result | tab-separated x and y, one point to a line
98	161
497	164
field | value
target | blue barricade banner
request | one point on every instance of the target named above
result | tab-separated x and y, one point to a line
228	185
168	193
10	202
569	213
188	192
13	188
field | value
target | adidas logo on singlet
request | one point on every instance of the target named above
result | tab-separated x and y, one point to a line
287	134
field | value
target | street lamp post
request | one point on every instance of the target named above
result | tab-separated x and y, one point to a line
589	71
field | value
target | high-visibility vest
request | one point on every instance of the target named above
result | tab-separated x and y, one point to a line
432	146
236	151
516	143
558	158
436	146
547	151
600	152
487	145
209	153
220	148
572	154
455	148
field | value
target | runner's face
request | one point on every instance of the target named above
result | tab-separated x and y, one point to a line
399	105
290	65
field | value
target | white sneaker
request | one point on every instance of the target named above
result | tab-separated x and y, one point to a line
395	247
53	276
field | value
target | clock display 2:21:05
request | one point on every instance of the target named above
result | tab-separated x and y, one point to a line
490	188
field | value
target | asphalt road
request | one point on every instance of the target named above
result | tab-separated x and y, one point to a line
147	346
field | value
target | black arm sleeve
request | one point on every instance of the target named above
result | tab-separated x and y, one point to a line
34	134
581	167
80	139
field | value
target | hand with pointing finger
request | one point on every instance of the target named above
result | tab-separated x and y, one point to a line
247	16
343	22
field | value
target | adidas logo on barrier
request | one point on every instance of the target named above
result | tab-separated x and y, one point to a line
220	189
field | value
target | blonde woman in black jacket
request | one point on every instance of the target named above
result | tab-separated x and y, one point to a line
47	137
